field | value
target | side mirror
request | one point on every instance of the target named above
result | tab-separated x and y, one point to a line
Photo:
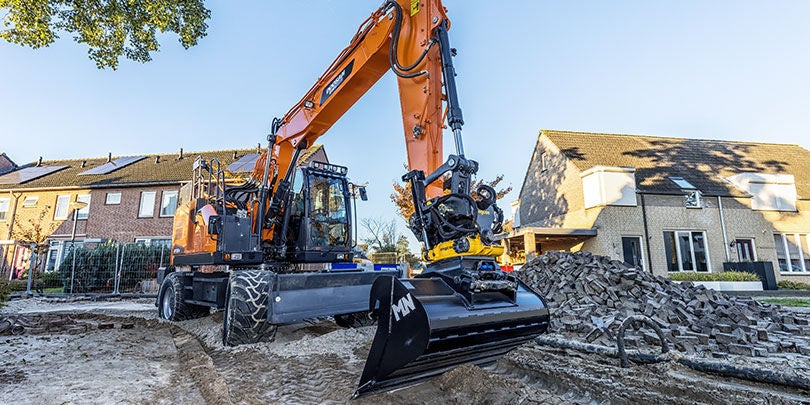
363	195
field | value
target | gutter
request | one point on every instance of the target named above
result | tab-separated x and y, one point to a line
646	233
101	186
723	228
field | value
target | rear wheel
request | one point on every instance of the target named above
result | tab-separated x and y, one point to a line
172	306
246	306
356	319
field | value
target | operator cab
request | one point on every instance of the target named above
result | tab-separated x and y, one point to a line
318	225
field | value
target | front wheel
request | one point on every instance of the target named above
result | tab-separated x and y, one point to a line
246	305
172	306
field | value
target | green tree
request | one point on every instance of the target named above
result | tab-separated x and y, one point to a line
404	251
110	28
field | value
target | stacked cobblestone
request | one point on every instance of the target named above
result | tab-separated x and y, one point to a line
590	296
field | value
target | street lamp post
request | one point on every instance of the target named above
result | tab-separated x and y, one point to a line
76	206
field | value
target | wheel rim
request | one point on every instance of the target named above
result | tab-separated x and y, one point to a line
167	303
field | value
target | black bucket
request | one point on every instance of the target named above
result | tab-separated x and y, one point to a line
426	327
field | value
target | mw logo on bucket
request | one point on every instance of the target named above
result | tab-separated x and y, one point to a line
403	307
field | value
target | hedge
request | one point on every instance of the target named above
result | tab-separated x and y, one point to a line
793	285
724	276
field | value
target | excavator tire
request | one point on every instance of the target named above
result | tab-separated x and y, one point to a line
356	319
246	306
172	306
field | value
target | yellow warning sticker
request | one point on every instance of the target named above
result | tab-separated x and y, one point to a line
415	6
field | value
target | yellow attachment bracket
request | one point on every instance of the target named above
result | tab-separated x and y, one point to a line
446	250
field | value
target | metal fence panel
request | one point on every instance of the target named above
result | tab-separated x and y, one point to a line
110	268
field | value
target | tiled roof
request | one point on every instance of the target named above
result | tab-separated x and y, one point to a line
6	164
154	169
703	163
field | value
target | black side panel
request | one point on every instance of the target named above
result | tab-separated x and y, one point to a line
198	259
299	296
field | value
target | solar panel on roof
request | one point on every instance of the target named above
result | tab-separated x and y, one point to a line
28	174
244	163
116	164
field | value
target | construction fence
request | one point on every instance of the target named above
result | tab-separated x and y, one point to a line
111	268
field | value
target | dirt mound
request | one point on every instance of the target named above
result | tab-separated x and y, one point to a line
590	296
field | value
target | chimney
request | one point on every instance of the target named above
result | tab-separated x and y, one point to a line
180	156
157	159
84	163
234	155
39	162
259	147
109	157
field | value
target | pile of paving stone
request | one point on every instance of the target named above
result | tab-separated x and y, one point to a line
590	296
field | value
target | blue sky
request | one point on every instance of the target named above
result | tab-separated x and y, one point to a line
721	70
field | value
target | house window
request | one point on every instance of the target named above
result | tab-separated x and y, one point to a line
162	242
631	248
686	251
147	208
168	204
61	211
792	252
543	161
30	201
4	202
84	212
54	256
113	198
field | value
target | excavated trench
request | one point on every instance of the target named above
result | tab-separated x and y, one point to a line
127	358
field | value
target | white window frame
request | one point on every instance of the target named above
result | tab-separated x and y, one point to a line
543	161
83	213
148	241
5	203
141	206
691	251
56	246
115	202
798	235
30	201
64	200
168	193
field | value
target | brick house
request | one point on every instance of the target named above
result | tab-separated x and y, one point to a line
665	204
129	199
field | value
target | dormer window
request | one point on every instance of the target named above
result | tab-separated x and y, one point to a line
682	183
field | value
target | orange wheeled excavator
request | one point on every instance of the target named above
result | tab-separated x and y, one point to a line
277	249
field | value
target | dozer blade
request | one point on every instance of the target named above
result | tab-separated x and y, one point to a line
426	328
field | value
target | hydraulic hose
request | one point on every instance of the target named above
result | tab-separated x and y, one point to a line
393	58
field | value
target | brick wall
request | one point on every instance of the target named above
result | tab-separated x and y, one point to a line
121	221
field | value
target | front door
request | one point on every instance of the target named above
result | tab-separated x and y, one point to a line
745	250
631	246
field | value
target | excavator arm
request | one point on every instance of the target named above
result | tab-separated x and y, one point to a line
409	38
400	37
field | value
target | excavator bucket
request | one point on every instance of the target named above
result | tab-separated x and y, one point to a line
431	324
